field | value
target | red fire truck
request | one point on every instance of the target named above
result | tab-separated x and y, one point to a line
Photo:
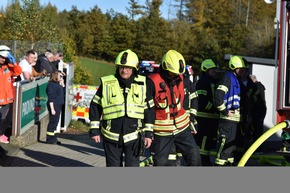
282	61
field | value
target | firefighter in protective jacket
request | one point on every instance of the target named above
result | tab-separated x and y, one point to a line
249	99
172	122
207	113
122	103
190	104
227	101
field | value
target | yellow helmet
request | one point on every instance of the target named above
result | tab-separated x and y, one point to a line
173	62
127	58
208	64
236	62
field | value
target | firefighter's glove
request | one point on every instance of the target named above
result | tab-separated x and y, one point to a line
11	59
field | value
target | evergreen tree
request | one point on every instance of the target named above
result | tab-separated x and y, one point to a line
135	9
123	33
152	39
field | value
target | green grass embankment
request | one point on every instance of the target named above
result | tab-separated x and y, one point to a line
97	68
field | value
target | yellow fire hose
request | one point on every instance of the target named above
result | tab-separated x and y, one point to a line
260	140
250	151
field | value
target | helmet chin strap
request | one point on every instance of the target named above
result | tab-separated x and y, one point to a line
235	73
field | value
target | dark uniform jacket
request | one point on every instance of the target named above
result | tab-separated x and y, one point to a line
249	94
205	88
190	102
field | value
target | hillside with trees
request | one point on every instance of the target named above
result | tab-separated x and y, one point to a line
201	29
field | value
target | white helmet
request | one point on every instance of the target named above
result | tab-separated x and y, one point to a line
4	51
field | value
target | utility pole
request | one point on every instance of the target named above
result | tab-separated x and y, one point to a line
248	12
169	10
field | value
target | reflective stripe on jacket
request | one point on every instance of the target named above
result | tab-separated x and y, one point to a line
205	87
170	116
231	98
113	101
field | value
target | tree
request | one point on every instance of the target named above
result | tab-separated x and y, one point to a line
97	37
153	38
216	27
135	9
123	32
30	21
261	42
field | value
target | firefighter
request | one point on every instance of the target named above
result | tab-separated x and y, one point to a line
172	122
259	112
227	101
8	70
190	104
121	101
249	98
207	114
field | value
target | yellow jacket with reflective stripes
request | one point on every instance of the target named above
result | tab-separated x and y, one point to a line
113	101
123	111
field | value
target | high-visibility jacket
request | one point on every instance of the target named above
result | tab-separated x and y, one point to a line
7	91
170	116
113	101
227	97
121	109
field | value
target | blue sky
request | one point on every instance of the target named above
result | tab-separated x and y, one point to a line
104	5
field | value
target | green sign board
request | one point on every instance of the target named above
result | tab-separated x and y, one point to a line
33	103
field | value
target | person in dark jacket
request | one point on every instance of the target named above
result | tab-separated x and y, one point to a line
126	108
227	101
207	113
249	98
259	112
55	95
43	63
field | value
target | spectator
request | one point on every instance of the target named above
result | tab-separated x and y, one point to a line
57	60
26	65
8	69
43	63
34	72
55	94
